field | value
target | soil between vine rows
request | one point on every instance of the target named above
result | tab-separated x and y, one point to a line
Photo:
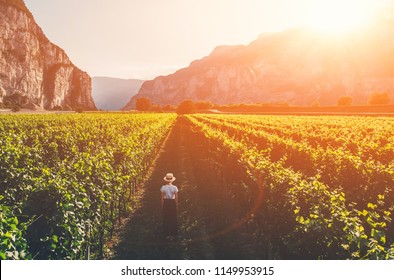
201	217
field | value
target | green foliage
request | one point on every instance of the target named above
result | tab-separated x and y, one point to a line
71	177
322	185
13	245
325	181
346	231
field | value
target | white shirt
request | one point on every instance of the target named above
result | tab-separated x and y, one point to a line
169	191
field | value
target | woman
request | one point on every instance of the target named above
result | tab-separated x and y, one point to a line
169	201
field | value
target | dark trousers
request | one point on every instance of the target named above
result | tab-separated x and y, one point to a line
170	225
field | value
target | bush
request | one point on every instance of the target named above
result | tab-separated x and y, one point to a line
16	99
16	108
345	100
143	104
57	108
79	109
186	107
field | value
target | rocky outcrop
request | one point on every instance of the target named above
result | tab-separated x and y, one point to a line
295	66
34	68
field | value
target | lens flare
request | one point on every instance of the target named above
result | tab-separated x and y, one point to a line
337	17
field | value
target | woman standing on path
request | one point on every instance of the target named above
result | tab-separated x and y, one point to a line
169	201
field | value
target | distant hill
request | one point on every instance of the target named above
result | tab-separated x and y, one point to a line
296	66
113	93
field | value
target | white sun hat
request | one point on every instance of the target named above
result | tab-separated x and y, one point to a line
169	178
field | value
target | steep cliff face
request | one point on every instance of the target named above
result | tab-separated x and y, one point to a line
34	68
295	66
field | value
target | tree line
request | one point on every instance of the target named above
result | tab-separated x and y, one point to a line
145	104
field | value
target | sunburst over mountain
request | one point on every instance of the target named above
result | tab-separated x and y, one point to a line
298	66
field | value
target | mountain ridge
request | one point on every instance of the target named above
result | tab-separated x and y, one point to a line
296	66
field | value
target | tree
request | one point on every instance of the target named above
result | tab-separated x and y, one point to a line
203	105
143	104
156	108
186	107
377	98
15	108
345	100
16	99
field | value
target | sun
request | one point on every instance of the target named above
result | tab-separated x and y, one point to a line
337	17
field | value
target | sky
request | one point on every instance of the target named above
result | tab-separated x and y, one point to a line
142	39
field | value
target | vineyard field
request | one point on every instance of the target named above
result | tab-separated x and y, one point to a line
65	180
323	186
250	186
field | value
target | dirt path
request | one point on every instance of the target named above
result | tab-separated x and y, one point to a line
141	237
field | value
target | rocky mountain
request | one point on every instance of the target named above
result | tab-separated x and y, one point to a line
35	70
295	66
112	93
